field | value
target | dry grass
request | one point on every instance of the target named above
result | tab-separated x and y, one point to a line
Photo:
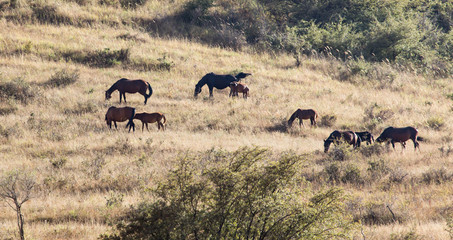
61	137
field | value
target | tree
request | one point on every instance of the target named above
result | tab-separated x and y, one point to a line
247	194
16	188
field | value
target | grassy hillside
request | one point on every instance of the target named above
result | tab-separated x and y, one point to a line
89	175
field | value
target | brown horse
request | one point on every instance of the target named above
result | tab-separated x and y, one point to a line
129	86
237	87
303	114
122	114
347	136
151	118
400	135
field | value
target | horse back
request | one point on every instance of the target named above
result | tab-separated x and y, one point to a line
131	86
119	114
307	113
400	134
219	81
149	117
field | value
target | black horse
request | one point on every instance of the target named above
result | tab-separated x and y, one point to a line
217	81
365	137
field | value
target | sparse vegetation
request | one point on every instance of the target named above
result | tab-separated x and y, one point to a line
63	78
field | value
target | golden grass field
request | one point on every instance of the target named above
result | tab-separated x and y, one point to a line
60	136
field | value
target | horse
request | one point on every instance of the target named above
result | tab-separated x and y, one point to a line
151	118
303	114
237	87
348	136
125	85
122	114
365	136
400	135
217	81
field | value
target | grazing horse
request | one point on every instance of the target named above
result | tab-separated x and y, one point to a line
151	118
400	135
217	81
125	85
348	136
122	114
303	114
365	136
237	87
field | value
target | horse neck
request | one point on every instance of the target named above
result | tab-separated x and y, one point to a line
295	114
202	81
112	88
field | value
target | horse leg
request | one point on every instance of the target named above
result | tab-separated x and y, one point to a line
143	126
393	144
116	127
147	129
124	96
416	144
211	89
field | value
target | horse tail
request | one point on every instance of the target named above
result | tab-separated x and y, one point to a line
165	119
150	91
358	141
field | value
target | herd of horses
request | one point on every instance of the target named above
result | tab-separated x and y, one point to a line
391	135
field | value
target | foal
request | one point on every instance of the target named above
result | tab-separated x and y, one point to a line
151	118
237	87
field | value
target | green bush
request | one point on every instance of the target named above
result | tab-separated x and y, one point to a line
328	120
436	123
63	78
246	194
352	175
17	89
437	176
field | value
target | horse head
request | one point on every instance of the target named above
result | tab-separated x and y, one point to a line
381	139
108	95
197	91
242	75
327	143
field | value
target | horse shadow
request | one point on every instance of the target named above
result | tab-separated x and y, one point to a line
281	127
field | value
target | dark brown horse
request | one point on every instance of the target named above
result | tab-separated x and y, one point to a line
400	135
129	86
122	114
347	136
303	114
237	87
151	118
